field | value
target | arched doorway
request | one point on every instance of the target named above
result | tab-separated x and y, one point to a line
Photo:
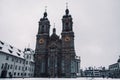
4	74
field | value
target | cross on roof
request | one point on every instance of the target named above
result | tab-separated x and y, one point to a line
45	8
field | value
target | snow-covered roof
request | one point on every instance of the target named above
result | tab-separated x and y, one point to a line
8	49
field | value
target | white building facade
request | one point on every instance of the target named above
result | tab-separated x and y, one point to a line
13	62
29	62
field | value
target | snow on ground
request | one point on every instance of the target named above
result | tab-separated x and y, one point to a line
57	79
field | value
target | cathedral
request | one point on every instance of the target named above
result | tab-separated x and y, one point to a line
55	56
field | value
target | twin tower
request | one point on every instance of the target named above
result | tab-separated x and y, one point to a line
55	56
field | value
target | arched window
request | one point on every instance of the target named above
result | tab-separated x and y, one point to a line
42	29
67	26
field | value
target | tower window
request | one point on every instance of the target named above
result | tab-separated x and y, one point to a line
66	23
42	30
67	27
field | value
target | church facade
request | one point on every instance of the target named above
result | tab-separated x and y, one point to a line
55	56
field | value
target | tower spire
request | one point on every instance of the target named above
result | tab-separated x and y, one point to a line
54	30
66	5
54	25
67	10
45	8
45	13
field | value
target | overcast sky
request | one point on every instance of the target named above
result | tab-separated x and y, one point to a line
96	24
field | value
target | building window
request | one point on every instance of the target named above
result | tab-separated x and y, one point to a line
7	57
20	61
25	74
26	62
21	74
29	69
12	59
14	73
16	60
11	66
16	67
22	68
28	74
29	63
19	67
8	66
23	62
25	68
9	73
2	66
32	69
18	74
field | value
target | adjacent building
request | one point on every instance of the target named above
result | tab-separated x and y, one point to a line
55	56
29	62
95	72
14	62
91	72
114	69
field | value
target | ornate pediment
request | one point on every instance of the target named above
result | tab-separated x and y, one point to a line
53	45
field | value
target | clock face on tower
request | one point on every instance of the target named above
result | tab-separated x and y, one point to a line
67	38
41	41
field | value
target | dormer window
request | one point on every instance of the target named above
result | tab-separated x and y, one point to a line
1	42
18	54
19	50
11	47
10	51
